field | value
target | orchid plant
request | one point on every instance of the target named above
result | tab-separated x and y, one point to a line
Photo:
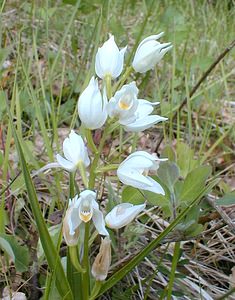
107	104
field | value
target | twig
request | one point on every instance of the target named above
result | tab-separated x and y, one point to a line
222	213
203	78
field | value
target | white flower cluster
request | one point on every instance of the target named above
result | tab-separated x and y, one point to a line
134	114
131	112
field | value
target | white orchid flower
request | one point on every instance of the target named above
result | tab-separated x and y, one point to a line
124	104
109	59
75	152
134	169
143	119
83	209
149	53
123	214
92	109
102	261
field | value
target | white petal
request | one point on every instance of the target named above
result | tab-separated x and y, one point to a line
150	38
92	107
74	148
144	108
119	66
46	167
126	95
73	221
66	164
144	123
133	178
143	154
155	188
98	220
107	59
123	214
149	53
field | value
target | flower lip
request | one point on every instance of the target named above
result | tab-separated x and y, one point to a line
126	102
83	209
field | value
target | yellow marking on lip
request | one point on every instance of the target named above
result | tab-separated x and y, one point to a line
123	105
85	217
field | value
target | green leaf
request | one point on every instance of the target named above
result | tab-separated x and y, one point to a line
169	173
135	196
168	152
132	195
194	183
185	159
5	246
228	199
21	253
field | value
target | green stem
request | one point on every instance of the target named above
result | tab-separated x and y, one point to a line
90	141
107	168
82	170
108	86
97	156
74	259
134	142
173	269
85	264
71	185
96	289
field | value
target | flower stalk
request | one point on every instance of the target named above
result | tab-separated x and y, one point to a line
108	85
82	170
75	260
85	264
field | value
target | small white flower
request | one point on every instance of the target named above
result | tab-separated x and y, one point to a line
92	108
75	152
124	104
134	169
123	214
132	113
102	261
83	209
149	53
143	119
109	59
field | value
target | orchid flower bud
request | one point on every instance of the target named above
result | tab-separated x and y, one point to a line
123	214
92	107
75	152
83	209
149	53
102	261
143	118
109	59
134	169
124	104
